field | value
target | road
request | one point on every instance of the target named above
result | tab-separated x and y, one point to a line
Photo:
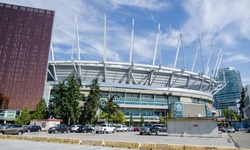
242	139
162	138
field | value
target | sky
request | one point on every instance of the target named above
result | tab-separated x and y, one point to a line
220	25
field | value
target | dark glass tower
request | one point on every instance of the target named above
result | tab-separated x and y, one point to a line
25	35
231	94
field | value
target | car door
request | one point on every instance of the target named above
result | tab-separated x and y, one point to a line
8	129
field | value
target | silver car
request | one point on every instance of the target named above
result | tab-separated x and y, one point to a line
13	129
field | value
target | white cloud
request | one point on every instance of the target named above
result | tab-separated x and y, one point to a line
218	19
147	4
236	58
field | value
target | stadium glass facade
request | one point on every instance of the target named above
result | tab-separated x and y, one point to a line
25	35
231	93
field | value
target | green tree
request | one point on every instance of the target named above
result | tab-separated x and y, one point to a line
24	117
229	114
162	119
119	117
66	101
40	110
91	103
110	108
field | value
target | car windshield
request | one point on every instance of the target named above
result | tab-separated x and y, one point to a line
3	126
56	126
147	125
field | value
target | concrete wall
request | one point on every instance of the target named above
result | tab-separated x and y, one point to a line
197	127
194	110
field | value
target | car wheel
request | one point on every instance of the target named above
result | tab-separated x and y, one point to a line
93	131
19	133
140	133
149	133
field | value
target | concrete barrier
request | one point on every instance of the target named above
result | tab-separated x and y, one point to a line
54	140
39	139
93	142
69	141
148	146
120	144
175	147
196	147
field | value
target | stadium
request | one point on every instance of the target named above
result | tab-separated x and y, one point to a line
143	89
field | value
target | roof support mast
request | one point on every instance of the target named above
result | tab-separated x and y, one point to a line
77	39
196	52
217	64
104	38
178	49
156	44
132	43
105	49
208	61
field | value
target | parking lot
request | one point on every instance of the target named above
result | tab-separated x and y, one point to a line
162	138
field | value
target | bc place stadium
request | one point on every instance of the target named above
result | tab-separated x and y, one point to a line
143	89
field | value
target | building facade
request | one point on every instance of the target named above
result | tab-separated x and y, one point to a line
25	35
231	93
246	109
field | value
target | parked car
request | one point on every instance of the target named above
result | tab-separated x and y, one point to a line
75	128
13	129
231	129
136	128
33	128
161	127
222	129
105	128
131	128
121	128
86	129
248	130
148	129
58	128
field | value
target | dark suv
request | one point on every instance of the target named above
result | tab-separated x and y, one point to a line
148	129
59	128
33	128
13	129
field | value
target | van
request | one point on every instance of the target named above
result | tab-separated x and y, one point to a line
13	129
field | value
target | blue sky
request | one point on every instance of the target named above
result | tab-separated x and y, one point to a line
224	23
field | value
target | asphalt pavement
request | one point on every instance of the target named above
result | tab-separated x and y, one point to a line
162	138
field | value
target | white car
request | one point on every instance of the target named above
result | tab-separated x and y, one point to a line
231	129
121	128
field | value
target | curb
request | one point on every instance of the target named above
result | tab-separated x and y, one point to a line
116	144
